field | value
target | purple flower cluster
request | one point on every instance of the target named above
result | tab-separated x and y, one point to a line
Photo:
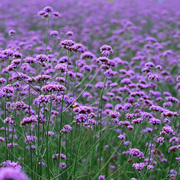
13	174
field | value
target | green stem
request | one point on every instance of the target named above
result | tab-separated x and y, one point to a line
77	151
97	174
47	137
47	34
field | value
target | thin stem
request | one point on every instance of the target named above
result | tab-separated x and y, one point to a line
107	161
47	35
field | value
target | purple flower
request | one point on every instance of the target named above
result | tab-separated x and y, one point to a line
48	9
167	130
114	114
63	156
78	48
12	164
67	44
87	55
136	152
178	159
150	167
41	58
138	166
53	87
101	177
41	164
66	129
12	33
62	165
160	140
12	174
70	33
154	121
29	120
122	136
106	50
54	33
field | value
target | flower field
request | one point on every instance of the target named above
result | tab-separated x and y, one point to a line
89	90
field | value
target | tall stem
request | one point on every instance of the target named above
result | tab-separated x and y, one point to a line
47	34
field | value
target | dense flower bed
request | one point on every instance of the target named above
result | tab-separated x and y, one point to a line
89	89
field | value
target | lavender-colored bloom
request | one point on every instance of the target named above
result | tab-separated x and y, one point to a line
12	164
78	48
99	85
87	55
62	165
12	174
12	33
30	60
150	167
172	99
127	106
29	120
70	33
137	121
160	140
66	129
154	121
114	114
56	14
63	156
53	88
172	148
126	81
101	177
167	130
106	50
54	33
2	139
136	152
124	123
7	91
138	166
178	159
48	9
15	63
122	136
9	120
41	164
67	44
174	140
30	139
55	156
41	59
61	67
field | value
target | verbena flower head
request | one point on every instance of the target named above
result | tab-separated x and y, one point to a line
62	165
12	174
12	33
48	9
101	177
106	50
66	129
53	88
41	59
12	164
78	48
67	44
139	166
136	152
29	120
53	33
